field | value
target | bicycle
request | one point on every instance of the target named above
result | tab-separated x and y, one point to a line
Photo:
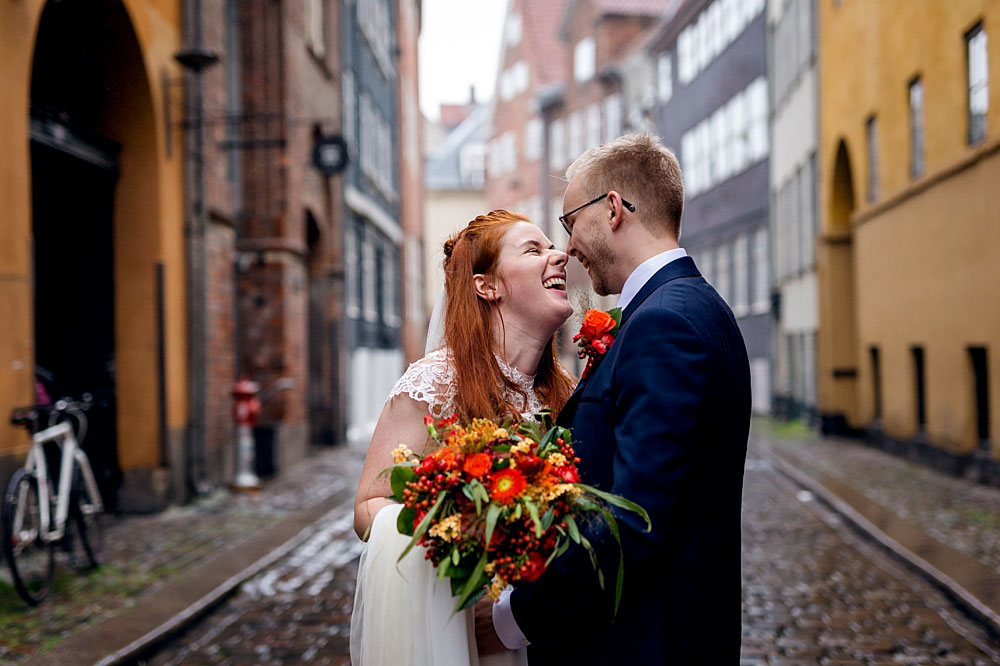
32	518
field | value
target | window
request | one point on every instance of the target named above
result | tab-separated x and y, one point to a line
584	60
979	92
871	134
369	278
314	24
502	158
557	144
876	362
916	127
375	24
761	270
576	146
977	355
593	125
533	139
472	165
351	272
920	388
711	33
664	78
741	277
612	118
512	30
390	287
722	272
514	80
348	99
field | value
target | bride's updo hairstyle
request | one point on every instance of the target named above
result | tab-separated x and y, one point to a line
468	329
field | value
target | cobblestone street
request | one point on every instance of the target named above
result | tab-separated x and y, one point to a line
814	593
298	611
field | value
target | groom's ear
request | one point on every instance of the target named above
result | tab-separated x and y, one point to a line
484	288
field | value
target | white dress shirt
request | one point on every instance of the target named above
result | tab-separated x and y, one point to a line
647	269
503	619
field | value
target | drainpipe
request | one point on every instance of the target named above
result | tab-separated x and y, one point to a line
195	58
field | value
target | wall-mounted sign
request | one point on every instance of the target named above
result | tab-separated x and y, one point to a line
330	154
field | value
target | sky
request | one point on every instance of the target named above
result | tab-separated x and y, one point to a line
459	47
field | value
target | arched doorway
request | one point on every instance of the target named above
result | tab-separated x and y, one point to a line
94	175
838	304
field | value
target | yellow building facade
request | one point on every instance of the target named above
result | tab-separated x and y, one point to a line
908	259
92	264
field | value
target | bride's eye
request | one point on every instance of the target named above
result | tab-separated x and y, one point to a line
535	250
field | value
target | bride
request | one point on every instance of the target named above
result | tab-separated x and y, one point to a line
505	287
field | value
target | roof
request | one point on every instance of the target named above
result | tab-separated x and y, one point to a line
541	21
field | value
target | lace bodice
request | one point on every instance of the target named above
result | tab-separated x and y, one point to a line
432	380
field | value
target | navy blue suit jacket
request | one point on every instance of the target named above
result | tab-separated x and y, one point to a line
662	420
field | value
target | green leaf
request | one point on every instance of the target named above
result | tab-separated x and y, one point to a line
443	567
517	511
492	513
455	556
616	314
613	526
471	584
574	530
562	545
547	519
399	478
404	521
480	495
620	502
533	512
424	524
530	429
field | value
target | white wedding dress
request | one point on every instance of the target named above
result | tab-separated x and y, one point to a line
402	612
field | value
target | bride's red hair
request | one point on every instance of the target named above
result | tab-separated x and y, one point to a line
468	331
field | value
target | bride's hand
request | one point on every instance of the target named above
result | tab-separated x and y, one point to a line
487	641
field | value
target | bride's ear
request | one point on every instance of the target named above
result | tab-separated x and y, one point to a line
484	289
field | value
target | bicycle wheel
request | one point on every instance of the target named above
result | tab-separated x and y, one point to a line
30	557
87	514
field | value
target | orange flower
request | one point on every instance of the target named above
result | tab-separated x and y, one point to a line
477	465
507	486
596	323
446	457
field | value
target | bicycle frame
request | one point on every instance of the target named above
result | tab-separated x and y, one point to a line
62	434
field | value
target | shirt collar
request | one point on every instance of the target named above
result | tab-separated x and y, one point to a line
647	269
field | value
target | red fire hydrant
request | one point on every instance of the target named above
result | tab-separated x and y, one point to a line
246	413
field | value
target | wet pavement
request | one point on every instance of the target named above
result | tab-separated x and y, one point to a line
815	592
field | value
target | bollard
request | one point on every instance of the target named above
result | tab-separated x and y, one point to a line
246	413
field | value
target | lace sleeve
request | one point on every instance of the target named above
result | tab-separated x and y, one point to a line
430	380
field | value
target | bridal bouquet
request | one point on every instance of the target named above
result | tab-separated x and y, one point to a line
495	504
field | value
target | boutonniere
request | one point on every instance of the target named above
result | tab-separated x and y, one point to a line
596	336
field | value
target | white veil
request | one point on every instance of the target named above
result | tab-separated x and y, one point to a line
435	327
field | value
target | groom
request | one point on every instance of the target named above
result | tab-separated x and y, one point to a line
662	420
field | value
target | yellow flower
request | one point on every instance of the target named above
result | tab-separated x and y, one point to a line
401	453
557	459
524	446
559	489
500	433
496	587
448	529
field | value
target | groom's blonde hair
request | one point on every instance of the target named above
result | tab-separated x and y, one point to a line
644	172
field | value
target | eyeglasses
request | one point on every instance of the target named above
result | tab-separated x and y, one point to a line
568	226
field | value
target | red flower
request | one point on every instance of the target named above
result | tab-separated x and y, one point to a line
428	420
477	465
568	474
446	458
527	463
533	568
508	485
596	323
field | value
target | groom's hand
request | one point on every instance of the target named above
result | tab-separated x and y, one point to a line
487	641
